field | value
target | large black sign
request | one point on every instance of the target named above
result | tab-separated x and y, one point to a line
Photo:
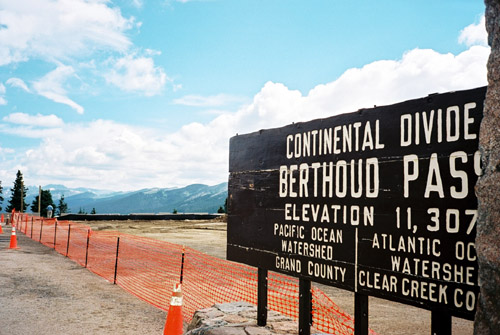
380	201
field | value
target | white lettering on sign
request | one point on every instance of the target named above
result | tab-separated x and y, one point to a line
319	251
333	141
328	180
467	299
432	269
417	245
326	271
289	230
353	215
338	176
420	289
378	281
288	264
432	124
434	184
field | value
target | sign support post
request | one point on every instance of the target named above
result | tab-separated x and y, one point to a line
360	314
262	297
440	323
305	307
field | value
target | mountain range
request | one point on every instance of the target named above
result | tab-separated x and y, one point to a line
195	198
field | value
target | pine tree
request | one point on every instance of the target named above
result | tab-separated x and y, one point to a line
62	207
93	211
46	200
17	190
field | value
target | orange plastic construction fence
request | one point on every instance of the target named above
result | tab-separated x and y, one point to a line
148	269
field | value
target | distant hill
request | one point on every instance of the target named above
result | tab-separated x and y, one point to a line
196	198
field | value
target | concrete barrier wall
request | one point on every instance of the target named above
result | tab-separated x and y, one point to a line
138	216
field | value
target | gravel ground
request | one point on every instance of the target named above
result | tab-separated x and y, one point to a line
42	292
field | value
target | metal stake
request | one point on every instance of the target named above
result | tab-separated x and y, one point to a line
69	234
182	263
116	259
41	227
87	250
55	234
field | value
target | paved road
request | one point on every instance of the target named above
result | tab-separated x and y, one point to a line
42	292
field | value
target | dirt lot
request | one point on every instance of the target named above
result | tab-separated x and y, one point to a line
62	296
42	292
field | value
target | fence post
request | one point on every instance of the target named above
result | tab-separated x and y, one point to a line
360	314
262	297
41	227
116	259
87	249
31	227
305	307
55	234
182	263
440	323
69	234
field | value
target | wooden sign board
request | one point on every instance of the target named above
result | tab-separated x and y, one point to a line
380	201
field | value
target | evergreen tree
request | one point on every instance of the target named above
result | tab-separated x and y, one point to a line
17	190
1	196
93	211
62	207
46	200
220	210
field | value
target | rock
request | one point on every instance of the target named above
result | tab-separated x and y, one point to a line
487	320
258	331
239	318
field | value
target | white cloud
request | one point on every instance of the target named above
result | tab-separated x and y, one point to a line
137	3
474	34
137	74
208	101
19	83
134	157
51	87
71	32
2	92
38	120
60	29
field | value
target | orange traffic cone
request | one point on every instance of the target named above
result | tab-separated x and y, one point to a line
1	220
1	231
173	325
13	239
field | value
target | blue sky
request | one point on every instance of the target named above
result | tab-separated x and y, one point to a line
134	94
